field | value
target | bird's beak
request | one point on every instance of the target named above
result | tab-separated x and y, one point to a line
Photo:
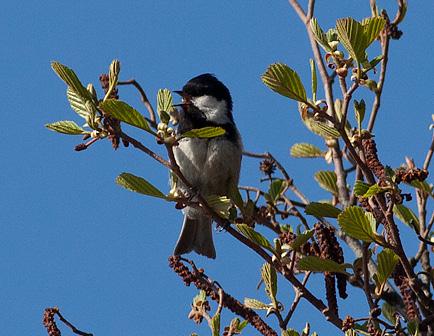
179	93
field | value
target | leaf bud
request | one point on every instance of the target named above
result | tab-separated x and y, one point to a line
342	72
92	91
162	127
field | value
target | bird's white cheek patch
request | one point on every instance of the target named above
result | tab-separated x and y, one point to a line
214	110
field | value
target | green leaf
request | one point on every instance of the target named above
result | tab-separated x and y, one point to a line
305	150
387	260
205	132
164	104
78	103
327	180
423	186
389	312
373	63
138	185
319	35
285	81
360	188
317	264
322	210
372	27
321	128
215	325
220	204
301	239
269	276
359	111
373	190
124	112
71	79
314	78
65	127
406	216
276	189
290	332
352	35
255	304
254	236
358	224
235	196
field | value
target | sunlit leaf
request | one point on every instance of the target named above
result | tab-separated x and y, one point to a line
372	27
387	260
406	216
164	104
321	128
269	276
305	150
322	210
327	180
285	81
78	104
255	236
71	79
314	81
138	185
205	132
65	127
317	264
360	188
373	190
319	35
352	35
215	325
124	112
255	304
220	204
357	224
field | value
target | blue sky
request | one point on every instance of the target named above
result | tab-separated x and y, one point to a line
70	237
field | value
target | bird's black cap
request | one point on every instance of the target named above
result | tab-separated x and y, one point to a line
207	84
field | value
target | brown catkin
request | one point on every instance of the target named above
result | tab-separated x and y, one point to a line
49	322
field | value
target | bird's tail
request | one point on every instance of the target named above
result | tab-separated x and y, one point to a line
196	235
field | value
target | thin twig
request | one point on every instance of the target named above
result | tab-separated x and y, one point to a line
298	296
143	97
71	326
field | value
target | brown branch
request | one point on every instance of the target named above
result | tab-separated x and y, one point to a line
143	98
298	296
429	154
202	282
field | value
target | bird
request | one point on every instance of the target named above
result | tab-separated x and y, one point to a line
210	165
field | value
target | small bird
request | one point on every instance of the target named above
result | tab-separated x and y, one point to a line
211	165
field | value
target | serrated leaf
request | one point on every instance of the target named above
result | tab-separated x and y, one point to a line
387	260
360	188
164	104
322	210
205	132
357	224
77	102
321	128
319	35
327	180
314	80
301	239
254	236
269	276
275	190
317	264
406	216
71	79
65	127
306	150
285	81
220	204
352	35
255	304
138	185
124	112
215	325
372	27
373	190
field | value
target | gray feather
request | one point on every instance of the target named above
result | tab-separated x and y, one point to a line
196	235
